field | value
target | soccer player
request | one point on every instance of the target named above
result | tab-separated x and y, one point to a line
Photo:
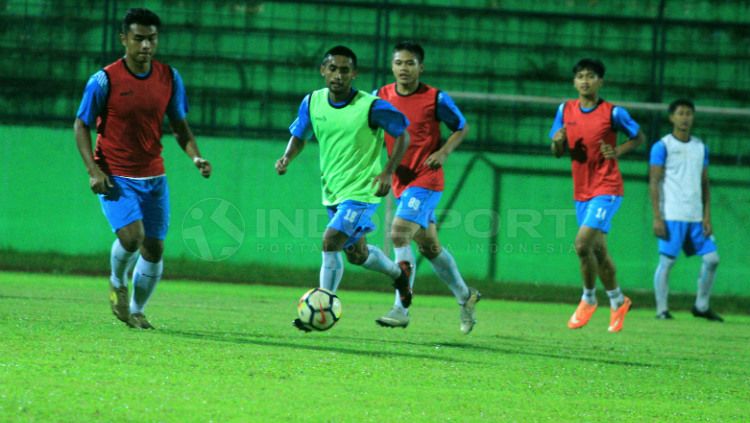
349	126
587	128
126	102
680	199
418	180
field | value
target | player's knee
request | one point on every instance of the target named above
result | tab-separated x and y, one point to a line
356	257
711	260
583	247
430	250
400	237
152	249
131	240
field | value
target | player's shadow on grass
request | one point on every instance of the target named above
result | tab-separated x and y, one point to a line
524	348
263	340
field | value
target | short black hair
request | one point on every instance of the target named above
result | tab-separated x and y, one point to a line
594	65
340	51
411	47
139	16
681	102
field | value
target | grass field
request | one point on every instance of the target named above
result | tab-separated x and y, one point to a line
226	352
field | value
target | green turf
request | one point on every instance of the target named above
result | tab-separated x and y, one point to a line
228	353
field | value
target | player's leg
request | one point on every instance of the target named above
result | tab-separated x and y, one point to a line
154	198
402	233
589	267
661	286
669	249
447	271
120	207
602	210
373	258
705	247
332	266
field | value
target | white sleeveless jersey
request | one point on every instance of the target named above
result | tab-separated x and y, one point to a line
682	194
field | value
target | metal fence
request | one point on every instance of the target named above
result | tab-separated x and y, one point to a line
247	64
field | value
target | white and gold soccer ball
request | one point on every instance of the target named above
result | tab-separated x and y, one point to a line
319	309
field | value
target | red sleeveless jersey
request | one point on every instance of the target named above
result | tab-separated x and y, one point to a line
420	108
129	131
593	175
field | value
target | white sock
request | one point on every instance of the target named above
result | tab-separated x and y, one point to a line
445	267
661	282
145	277
589	295
706	280
331	270
379	262
405	254
122	262
616	299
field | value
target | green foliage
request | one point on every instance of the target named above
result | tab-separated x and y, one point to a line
228	353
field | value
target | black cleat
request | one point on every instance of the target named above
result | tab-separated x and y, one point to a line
708	315
297	323
401	283
665	315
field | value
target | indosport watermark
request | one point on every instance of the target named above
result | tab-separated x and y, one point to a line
214	229
524	231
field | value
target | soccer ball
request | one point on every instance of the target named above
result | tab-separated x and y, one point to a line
319	309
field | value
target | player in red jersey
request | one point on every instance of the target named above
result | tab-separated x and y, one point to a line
587	127
418	180
126	102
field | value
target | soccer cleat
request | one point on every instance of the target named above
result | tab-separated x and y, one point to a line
297	323
664	315
394	319
401	283
118	300
139	321
467	311
582	315
708	315
617	317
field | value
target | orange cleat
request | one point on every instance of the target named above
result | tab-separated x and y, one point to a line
582	315
618	316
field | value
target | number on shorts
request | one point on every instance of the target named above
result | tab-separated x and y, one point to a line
601	213
350	216
413	203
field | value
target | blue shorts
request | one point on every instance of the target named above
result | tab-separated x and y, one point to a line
353	218
138	199
597	213
417	205
685	236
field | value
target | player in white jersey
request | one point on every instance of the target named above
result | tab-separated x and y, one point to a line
680	199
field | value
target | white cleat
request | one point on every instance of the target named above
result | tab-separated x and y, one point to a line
394	319
468	319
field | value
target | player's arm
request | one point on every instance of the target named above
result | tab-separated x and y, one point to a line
557	134
177	112
187	142
449	113
623	122
655	178
385	116
301	129
99	182
293	148
707	227
93	101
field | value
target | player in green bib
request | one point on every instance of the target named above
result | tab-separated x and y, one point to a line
349	125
